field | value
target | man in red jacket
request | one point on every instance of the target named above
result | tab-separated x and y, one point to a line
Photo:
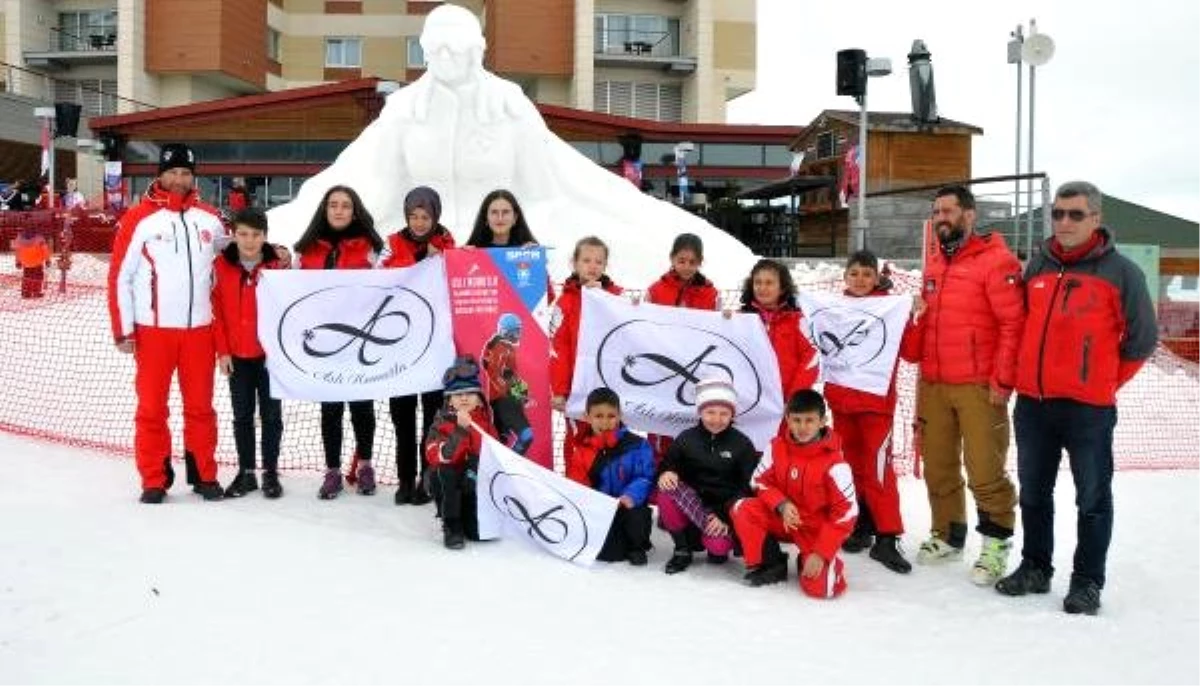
1091	327
971	329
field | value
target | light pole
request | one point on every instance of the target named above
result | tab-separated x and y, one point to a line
1034	49
875	66
47	115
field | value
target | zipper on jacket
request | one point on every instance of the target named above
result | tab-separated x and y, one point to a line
191	270
175	236
1046	329
1083	368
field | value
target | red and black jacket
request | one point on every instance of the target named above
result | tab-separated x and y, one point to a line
450	444
235	303
1091	324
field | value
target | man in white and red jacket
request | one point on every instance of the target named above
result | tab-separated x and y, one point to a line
160	303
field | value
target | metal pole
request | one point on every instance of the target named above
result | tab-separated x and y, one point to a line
1017	182
49	124
1029	182
861	223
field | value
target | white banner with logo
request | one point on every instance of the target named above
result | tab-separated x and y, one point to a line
355	334
857	338
653	356
520	499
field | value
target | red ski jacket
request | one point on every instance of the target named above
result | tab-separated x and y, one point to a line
816	479
353	253
564	332
697	293
975	314
1091	325
798	368
235	302
404	249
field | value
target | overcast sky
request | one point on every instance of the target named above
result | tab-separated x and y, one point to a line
1118	104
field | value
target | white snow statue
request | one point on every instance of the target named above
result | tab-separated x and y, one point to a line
465	132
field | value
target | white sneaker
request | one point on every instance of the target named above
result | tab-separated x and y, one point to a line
935	551
992	562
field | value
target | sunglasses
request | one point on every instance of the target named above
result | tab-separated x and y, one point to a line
1075	215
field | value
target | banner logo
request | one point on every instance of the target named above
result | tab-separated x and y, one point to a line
393	338
547	516
623	361
847	337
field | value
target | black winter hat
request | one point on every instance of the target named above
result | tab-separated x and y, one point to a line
176	155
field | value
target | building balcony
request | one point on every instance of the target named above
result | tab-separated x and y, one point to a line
63	49
657	50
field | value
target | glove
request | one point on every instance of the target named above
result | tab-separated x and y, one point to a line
471	472
519	390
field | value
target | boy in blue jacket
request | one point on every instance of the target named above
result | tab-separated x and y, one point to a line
613	460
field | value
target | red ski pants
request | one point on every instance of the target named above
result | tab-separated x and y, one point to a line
754	521
867	446
158	354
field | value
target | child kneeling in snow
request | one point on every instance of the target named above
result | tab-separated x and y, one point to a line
610	458
804	494
452	452
705	471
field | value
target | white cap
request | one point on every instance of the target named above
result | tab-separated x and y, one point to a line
717	390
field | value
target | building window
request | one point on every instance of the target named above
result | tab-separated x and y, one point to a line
273	44
416	56
657	101
97	97
343	52
826	145
731	155
637	34
87	30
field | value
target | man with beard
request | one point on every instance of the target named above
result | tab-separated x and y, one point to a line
972	328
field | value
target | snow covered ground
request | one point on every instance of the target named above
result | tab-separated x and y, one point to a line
96	588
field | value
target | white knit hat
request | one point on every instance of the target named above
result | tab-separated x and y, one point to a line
717	390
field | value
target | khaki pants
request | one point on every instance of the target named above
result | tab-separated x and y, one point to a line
959	425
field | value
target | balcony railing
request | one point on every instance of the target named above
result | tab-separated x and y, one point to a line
94	40
631	43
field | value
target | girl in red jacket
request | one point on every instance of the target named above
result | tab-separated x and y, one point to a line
682	286
239	354
422	237
452	451
342	235
770	293
864	423
589	262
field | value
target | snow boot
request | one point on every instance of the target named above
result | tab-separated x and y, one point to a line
271	487
886	551
153	496
210	491
169	470
404	493
1083	598
992	562
243	483
1027	579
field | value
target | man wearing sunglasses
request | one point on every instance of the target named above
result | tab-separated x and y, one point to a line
1091	326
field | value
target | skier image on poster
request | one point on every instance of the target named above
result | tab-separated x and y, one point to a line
507	392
